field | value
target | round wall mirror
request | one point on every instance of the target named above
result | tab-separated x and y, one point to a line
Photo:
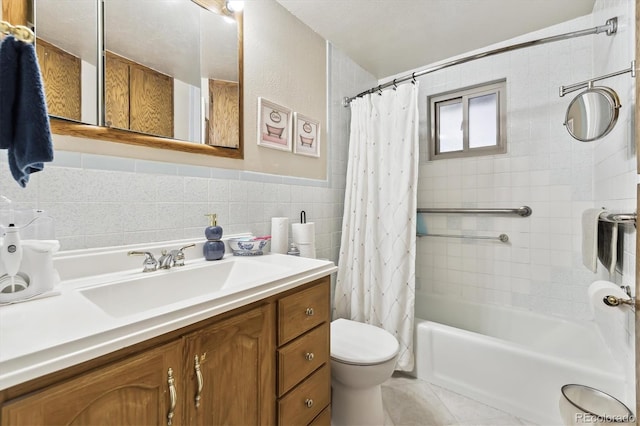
592	114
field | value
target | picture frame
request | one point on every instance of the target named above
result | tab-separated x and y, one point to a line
274	125
306	135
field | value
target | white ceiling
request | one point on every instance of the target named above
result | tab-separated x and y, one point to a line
387	37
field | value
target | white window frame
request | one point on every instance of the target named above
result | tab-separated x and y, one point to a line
498	87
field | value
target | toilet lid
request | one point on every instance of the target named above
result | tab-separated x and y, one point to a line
358	343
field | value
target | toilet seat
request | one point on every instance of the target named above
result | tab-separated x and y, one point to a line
357	343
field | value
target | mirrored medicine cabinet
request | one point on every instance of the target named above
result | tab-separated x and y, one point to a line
158	73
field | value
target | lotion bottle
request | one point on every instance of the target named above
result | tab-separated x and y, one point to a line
213	249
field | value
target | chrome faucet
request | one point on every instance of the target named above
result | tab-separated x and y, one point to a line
173	257
149	264
166	260
178	257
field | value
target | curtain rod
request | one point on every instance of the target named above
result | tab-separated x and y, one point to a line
610	27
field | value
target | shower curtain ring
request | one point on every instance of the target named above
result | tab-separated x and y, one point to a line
395	86
380	90
413	78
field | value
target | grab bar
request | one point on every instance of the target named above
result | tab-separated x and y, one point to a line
523	211
502	237
623	218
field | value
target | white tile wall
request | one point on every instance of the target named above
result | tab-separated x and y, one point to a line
540	269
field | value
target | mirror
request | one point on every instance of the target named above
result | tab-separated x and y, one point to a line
172	70
592	114
67	46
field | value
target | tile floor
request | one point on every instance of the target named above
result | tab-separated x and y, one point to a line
409	401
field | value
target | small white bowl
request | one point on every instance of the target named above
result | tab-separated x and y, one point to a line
247	246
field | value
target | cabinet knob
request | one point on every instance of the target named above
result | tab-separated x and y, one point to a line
309	312
309	356
308	402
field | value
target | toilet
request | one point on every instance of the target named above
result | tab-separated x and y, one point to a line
362	358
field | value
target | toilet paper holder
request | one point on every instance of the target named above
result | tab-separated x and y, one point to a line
614	301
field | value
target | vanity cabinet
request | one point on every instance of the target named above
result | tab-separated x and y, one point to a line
264	363
134	391
304	374
230	377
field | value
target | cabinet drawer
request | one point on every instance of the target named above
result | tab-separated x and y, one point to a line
323	419
302	356
307	400
302	311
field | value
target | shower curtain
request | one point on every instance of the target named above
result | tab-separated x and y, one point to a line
376	275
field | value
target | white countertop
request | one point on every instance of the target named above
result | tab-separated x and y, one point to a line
46	335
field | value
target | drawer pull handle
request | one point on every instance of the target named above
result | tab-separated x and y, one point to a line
172	396
309	312
308	402
309	356
200	380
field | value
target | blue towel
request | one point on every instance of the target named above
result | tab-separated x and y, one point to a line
8	72
24	121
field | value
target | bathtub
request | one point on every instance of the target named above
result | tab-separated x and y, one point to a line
511	359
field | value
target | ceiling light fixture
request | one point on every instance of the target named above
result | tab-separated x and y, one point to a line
234	6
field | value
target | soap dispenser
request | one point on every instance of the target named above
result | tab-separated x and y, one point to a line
213	249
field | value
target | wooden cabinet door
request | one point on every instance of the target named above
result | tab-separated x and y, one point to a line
131	392
224	113
61	78
116	92
151	101
236	360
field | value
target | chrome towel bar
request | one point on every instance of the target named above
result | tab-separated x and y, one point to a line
523	211
622	218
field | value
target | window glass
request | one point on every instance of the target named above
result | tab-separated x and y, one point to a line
468	122
450	127
483	111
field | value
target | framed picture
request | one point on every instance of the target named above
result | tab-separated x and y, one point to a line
274	125
306	135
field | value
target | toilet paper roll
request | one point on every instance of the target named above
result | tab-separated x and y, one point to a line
303	233
279	235
598	290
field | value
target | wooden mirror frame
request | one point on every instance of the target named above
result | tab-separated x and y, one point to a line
18	11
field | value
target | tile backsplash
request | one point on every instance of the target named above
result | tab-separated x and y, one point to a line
106	201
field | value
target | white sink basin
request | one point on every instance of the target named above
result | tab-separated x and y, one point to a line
151	290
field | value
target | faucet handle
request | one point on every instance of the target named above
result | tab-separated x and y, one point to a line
178	259
149	264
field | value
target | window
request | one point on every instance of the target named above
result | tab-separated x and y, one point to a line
468	122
